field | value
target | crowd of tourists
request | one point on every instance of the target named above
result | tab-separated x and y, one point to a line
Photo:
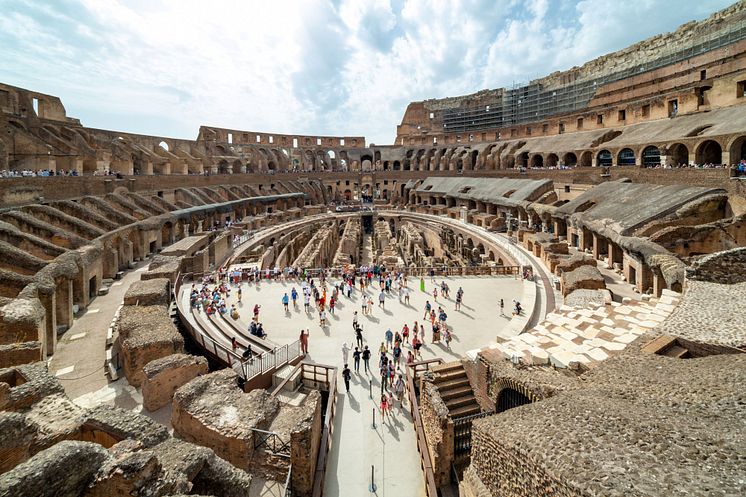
36	173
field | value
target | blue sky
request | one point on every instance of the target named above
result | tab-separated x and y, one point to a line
328	67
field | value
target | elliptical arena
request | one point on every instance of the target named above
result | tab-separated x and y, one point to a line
609	205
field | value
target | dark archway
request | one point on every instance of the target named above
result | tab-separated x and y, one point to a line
709	152
552	160
509	398
586	159
537	161
604	158
570	159
522	160
678	155
626	157
738	150
651	156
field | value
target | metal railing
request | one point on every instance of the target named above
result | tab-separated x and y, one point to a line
289	482
462	438
271	441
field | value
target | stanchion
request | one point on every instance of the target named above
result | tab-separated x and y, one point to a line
374	417
370	389
372	486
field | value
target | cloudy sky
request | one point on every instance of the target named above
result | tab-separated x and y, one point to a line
334	67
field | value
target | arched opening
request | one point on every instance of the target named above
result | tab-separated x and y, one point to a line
586	159
271	166
223	167
570	159
537	161
678	155
626	157
552	160
509	398
348	195
651	156
164	146
604	158
738	150
709	152
397	165
522	159
236	167
474	155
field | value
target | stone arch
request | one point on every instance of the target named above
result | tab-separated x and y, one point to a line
510	393
737	150
167	233
552	160
397	165
586	159
678	155
709	152
164	146
604	158
223	167
570	159
237	166
521	159
626	157
651	156
537	160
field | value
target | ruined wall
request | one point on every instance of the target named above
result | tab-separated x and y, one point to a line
438	431
305	439
726	267
165	375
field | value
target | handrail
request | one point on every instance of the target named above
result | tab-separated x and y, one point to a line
286	380
327	432
431	488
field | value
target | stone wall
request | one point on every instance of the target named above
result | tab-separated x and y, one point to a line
438	431
726	267
146	333
165	375
305	439
156	291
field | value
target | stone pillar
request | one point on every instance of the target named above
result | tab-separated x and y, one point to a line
610	254
108	186
63	304
595	246
50	321
131	184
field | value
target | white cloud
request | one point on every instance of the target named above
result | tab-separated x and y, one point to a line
338	67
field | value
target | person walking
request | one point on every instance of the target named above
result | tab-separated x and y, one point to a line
427	309
234	343
285	302
502	307
406	296
346	374
366	359
422	285
359	336
294	295
356	359
345	353
354	321
382	300
304	334
399	389
389	338
238	293
458	302
322	317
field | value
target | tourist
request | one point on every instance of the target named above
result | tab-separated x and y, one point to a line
370	306
354	321
307	302
356	359
366	359
304	335
332	302
345	352
389	338
382	350
427	309
458	302
447	337
422	334
364	305
384	406
256	312
399	389
406	296
346	376
422	285
416	345
285	302
238	293
234	312
397	353
435	294
382	300
384	371
294	295
234	343
322	317
248	354
405	333
359	336
502	307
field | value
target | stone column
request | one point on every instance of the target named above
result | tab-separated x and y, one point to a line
595	246
610	254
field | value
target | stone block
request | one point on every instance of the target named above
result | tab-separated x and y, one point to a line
165	375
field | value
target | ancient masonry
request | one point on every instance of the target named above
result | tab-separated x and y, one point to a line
624	375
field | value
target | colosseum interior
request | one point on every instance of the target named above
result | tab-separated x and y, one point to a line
610	205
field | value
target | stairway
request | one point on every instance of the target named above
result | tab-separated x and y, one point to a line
455	390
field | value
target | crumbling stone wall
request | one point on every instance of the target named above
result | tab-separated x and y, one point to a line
438	431
305	439
155	291
146	333
165	375
584	277
727	267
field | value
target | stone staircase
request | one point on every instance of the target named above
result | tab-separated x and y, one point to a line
574	336
455	389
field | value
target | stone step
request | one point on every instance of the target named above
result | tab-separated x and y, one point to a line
452	384
465	411
461	402
451	393
450	375
677	352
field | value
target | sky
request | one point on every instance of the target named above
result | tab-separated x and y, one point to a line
316	67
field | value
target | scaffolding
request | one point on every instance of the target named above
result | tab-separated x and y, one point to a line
532	102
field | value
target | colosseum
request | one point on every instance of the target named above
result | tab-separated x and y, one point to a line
553	272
